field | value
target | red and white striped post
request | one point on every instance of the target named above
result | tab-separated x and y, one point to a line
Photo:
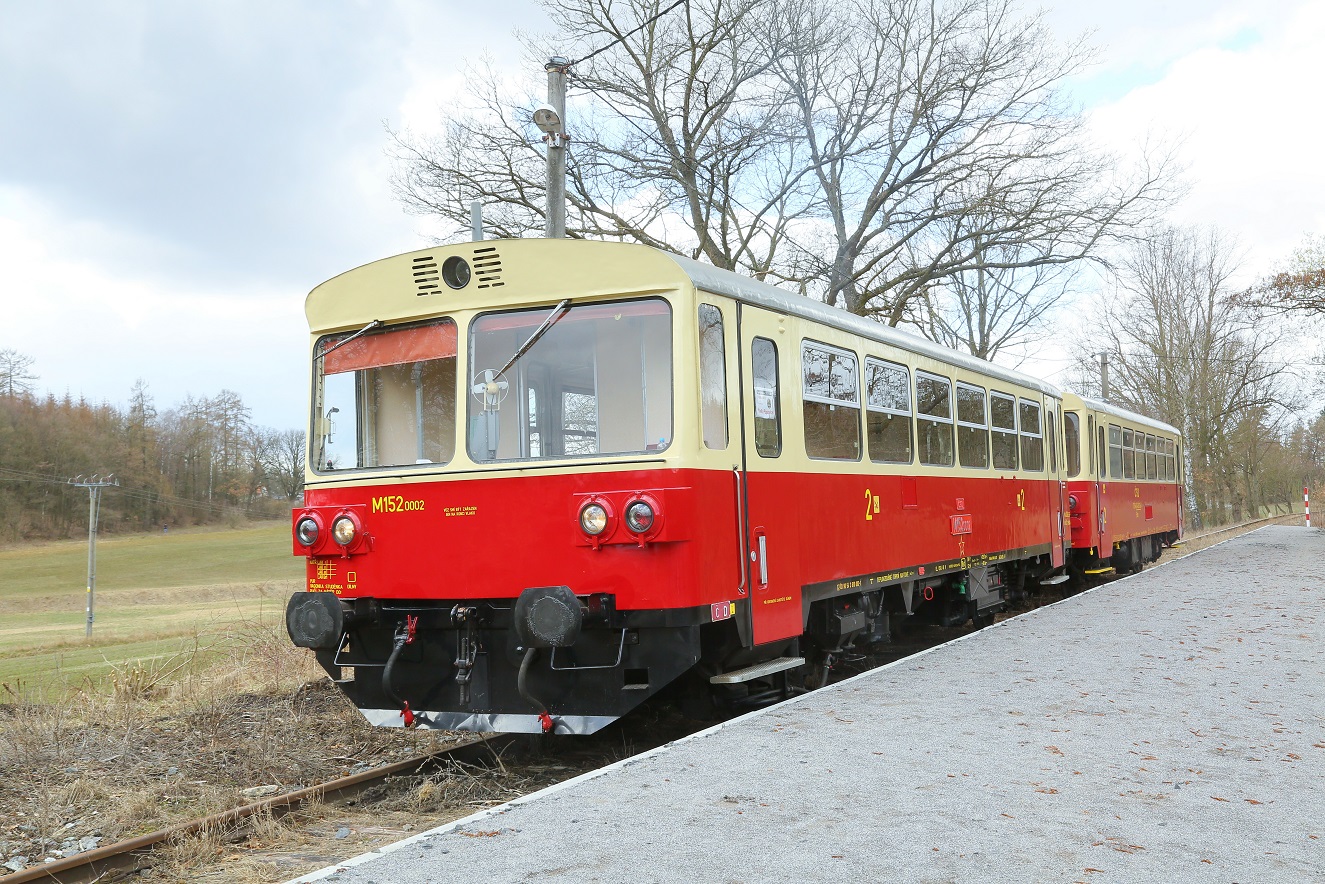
1306	503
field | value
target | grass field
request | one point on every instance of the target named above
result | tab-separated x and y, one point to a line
159	597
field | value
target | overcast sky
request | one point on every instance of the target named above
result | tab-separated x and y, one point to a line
175	177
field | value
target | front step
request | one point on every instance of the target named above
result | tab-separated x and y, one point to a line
759	670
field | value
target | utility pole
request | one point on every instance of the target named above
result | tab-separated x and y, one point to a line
476	220
551	118
1104	375
93	486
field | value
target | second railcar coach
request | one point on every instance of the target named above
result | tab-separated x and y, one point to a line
1125	487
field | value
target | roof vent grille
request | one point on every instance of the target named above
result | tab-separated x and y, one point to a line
487	268
426	278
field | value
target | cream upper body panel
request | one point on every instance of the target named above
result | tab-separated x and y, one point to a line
514	274
1101	451
723	282
505	274
1073	402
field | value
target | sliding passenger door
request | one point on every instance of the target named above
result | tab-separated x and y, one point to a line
770	361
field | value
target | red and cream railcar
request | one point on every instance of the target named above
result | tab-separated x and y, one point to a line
1125	490
548	478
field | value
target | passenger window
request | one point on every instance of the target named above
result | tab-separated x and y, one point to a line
1102	462
1032	439
1003	417
1115	451
1072	441
1168	460
1129	455
712	377
888	411
934	419
1152	469
831	394
972	431
768	407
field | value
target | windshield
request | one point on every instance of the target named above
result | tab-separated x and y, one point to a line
385	398
598	381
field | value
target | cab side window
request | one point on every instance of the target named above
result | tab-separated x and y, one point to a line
1072	440
1115	451
712	377
767	404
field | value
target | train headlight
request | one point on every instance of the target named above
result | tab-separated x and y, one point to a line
1072	502
639	517
593	519
343	530
307	531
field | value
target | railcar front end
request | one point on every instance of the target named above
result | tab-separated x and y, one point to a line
500	532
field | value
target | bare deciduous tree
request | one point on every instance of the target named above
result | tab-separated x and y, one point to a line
1299	287
1185	350
285	468
991	310
941	145
680	137
863	151
15	374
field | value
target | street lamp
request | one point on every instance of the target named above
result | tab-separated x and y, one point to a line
547	119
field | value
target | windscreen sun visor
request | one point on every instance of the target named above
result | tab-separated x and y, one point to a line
398	347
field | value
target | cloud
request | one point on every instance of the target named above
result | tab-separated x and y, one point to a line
231	133
93	333
174	177
1243	106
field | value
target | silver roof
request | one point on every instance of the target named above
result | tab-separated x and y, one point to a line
708	278
1109	408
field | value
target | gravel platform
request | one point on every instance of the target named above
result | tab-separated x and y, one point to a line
1166	727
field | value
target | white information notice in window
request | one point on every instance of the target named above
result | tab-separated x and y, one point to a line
766	407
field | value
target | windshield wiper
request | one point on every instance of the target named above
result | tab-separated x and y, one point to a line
367	328
557	312
491	387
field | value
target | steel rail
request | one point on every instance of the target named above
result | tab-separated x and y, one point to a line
125	857
1187	538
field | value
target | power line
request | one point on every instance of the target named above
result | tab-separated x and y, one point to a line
144	495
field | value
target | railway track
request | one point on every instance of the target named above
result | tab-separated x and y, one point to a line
133	854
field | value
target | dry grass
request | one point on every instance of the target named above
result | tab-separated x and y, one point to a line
177	738
189	693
